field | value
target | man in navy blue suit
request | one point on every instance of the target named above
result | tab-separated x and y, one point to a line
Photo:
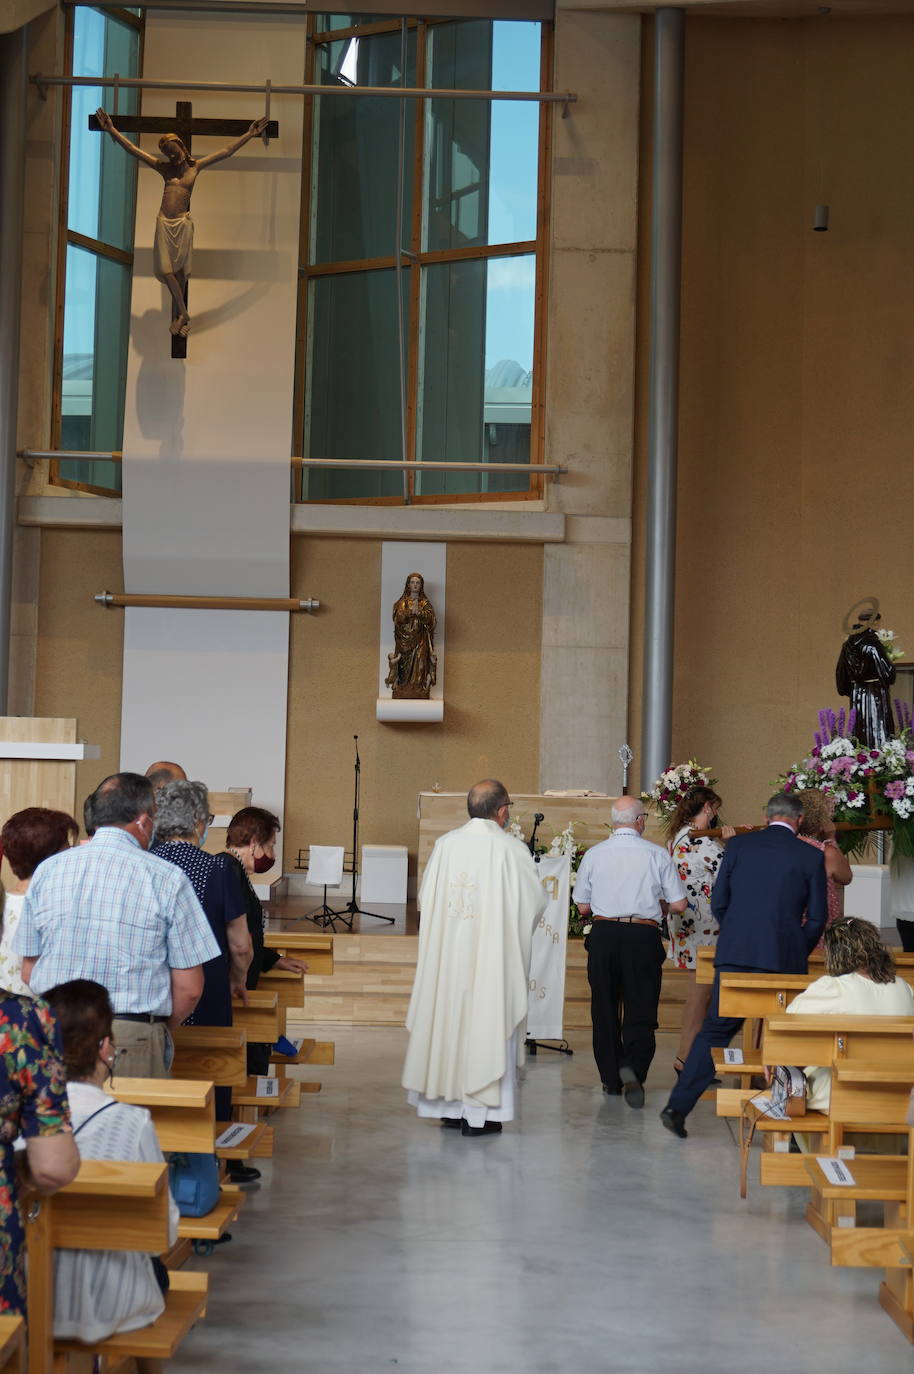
768	882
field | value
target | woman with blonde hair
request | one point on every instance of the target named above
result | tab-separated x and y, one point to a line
860	980
818	829
697	859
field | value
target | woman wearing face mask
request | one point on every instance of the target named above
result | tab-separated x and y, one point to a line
251	843
697	861
99	1292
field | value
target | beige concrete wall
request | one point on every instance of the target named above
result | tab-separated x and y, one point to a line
491	721
796	484
590	399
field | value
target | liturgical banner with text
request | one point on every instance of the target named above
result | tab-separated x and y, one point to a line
550	940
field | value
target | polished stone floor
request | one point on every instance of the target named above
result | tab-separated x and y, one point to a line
583	1238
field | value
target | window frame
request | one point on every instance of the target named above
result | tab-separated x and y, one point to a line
418	261
67	237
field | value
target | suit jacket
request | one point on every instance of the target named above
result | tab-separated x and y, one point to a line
766	883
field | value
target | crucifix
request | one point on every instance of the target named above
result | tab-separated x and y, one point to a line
174	236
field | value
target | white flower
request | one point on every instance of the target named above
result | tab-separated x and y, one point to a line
515	830
903	807
837	748
858	801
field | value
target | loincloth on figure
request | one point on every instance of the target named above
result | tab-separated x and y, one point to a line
174	246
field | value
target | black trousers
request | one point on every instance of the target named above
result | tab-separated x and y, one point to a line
624	969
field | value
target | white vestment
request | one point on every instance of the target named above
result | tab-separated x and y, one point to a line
480	900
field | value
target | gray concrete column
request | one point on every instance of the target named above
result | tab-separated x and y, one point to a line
663	394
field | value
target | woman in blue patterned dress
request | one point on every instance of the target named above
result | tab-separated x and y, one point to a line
33	1104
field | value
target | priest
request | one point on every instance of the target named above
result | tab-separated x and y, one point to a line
480	900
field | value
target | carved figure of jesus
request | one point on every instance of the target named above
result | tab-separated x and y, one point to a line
174	237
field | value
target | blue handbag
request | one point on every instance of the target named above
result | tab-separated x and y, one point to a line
194	1183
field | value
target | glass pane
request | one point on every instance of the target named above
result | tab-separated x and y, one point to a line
326	22
96	325
352	409
356	144
102	176
481	159
475	389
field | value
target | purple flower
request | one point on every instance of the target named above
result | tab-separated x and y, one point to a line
818	739
852	721
894	790
842	718
861	758
874	753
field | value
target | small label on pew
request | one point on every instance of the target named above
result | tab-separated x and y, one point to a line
732	1056
267	1087
835	1171
234	1135
847	1152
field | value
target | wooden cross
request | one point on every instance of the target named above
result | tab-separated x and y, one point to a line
185	126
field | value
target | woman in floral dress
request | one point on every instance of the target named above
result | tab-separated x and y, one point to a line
33	1104
697	861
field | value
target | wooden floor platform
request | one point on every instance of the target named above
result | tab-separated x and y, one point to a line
373	976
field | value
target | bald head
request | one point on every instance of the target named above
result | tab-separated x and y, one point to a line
485	799
627	810
163	772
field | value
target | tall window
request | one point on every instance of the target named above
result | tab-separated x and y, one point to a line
431	360
97	203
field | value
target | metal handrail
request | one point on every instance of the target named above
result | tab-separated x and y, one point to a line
565	98
352	464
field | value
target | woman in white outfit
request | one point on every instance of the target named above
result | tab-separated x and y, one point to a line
99	1292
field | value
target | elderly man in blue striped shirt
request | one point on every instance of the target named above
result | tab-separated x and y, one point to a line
110	912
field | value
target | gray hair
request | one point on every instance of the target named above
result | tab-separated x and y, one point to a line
784	804
485	798
180	807
626	810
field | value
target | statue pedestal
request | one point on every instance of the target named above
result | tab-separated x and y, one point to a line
870	895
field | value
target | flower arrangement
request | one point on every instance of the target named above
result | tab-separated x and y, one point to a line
861	781
675	783
563	843
893	649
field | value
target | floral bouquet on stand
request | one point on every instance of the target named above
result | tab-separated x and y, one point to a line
678	780
862	782
564	843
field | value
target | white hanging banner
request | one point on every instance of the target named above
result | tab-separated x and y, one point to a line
550	941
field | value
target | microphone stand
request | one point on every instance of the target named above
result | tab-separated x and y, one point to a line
352	908
530	1045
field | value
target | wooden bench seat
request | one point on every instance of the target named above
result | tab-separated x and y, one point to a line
288	986
215	1054
877	1178
289	1095
211	1226
12	1345
250	1147
185	1304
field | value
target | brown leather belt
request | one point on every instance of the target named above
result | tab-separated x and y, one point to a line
629	920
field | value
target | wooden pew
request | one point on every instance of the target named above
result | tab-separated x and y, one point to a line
12	1345
875	1095
109	1206
803	1040
290	990
904	962
314	948
183	1114
215	1054
219	1054
260	1019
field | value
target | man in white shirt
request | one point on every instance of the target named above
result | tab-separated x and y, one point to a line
624	885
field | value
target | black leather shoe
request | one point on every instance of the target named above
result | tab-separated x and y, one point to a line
490	1128
632	1089
242	1173
452	1123
674	1121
